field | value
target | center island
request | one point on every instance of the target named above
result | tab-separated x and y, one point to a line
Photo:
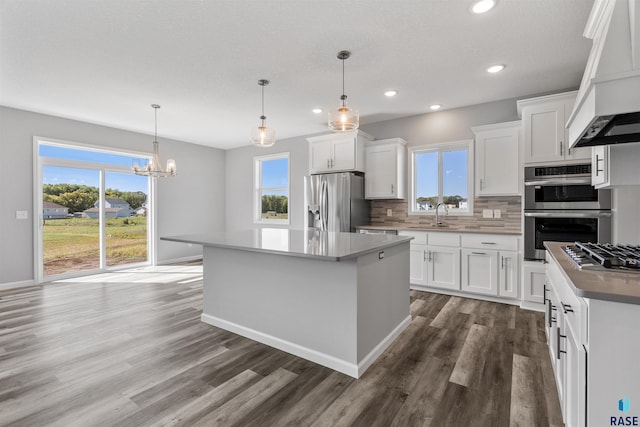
337	299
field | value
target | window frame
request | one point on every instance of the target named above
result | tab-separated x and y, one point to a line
441	148
257	189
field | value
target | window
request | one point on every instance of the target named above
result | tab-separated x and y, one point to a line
271	183
441	173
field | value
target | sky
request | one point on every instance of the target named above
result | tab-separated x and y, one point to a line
275	173
454	165
115	180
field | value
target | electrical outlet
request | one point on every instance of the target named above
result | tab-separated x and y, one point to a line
487	213
389	212
22	214
497	213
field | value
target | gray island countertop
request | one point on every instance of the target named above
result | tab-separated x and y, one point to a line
325	245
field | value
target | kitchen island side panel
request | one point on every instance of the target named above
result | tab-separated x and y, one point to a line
306	302
383	296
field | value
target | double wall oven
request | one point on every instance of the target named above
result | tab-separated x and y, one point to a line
561	205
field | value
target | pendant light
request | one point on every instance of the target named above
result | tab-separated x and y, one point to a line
262	136
154	167
343	119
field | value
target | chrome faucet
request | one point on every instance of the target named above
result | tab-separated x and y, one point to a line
446	210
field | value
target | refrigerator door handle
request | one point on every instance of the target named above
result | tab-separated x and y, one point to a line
324	208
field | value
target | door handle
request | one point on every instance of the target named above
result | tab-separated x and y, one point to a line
424	255
561	150
558	336
598	160
481	183
328	164
430	258
391	188
502	262
566	308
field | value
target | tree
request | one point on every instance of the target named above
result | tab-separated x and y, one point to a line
76	201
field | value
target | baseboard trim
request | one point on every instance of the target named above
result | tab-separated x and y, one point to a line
183	259
534	306
16	285
340	365
368	360
465	294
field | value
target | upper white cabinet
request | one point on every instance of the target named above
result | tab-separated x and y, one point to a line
615	165
498	164
337	152
386	162
543	125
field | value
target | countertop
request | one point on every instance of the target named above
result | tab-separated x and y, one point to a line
446	229
324	245
605	285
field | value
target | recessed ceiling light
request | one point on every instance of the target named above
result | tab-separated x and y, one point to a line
483	6
391	93
436	106
317	110
495	68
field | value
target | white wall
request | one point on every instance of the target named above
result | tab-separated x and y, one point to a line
189	203
626	212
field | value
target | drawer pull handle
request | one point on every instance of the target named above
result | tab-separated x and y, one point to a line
488	243
566	308
479	253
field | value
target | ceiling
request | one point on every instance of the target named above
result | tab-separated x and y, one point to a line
106	61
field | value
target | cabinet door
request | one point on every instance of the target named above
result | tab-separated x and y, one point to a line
575	386
381	175
320	156
480	271
508	277
533	282
418	265
544	132
443	267
344	154
498	162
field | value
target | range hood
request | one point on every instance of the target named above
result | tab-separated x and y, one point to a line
607	109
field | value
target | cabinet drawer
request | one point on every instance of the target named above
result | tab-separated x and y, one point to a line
490	241
419	237
443	239
570	306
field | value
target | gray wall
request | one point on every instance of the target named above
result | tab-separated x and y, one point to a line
239	179
191	202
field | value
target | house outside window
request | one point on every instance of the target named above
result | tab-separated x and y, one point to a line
441	173
271	189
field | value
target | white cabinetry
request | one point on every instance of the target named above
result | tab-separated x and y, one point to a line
543	124
490	265
436	264
337	152
533	284
615	165
473	263
386	162
498	164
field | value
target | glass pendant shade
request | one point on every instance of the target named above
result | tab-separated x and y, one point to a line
263	136
153	167
343	119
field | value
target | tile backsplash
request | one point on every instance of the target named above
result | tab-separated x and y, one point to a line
510	215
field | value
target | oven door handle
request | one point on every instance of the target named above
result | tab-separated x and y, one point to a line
569	214
568	181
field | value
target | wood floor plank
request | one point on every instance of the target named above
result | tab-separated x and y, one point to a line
129	349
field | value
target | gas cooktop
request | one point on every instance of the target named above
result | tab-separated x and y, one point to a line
595	256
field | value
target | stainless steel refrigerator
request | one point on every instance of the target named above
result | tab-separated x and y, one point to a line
335	202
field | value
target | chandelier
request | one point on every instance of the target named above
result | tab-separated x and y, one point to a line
154	167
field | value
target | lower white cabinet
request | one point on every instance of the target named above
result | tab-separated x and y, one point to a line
479	263
435	266
533	282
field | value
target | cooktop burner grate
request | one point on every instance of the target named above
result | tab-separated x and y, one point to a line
598	255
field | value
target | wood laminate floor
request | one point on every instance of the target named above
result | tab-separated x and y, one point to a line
129	349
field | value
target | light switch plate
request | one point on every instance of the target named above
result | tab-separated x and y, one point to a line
22	214
487	213
389	212
497	213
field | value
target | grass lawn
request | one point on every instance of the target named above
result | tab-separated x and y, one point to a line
74	244
276	216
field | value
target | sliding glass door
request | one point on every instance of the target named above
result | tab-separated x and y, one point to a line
94	211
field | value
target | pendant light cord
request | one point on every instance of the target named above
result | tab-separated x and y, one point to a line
343	76
155	138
